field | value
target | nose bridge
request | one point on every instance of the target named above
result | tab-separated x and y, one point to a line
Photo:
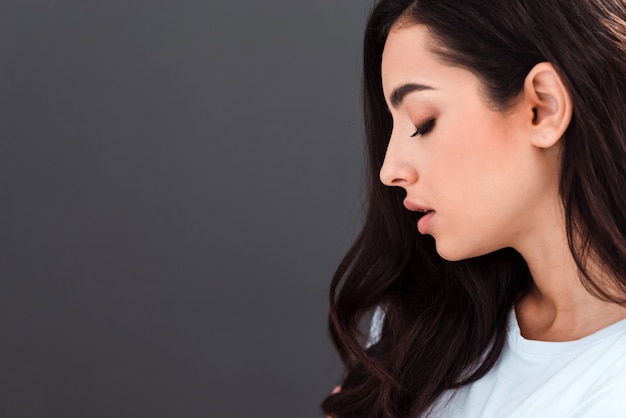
397	168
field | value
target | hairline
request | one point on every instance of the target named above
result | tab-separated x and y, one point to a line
445	55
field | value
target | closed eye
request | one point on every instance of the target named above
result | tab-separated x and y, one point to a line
424	129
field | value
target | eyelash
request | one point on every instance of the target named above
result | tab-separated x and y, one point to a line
424	129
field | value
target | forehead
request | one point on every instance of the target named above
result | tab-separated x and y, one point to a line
408	57
407	51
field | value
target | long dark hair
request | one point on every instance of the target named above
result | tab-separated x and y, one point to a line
445	322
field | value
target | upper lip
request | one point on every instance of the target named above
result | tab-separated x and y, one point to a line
416	207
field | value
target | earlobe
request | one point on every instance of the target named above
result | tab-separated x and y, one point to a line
550	102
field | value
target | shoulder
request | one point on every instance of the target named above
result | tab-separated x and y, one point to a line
607	396
610	401
584	378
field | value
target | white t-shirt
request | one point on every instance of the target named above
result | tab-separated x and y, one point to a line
581	378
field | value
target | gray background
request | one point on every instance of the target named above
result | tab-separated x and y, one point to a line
178	181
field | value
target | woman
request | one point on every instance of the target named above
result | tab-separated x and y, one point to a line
495	236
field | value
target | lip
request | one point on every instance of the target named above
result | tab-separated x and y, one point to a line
423	224
416	207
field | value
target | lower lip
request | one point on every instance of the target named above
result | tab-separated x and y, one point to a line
424	223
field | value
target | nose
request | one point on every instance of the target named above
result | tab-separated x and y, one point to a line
398	169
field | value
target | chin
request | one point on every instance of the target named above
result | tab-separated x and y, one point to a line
451	251
451	257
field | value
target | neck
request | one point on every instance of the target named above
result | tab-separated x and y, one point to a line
559	307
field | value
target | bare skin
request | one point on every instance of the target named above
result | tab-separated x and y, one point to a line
559	308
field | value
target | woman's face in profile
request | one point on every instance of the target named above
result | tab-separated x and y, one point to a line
471	166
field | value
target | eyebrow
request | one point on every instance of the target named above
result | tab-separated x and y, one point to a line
400	92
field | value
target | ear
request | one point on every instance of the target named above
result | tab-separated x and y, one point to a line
550	102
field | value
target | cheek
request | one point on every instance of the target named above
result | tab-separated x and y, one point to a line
471	162
479	178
